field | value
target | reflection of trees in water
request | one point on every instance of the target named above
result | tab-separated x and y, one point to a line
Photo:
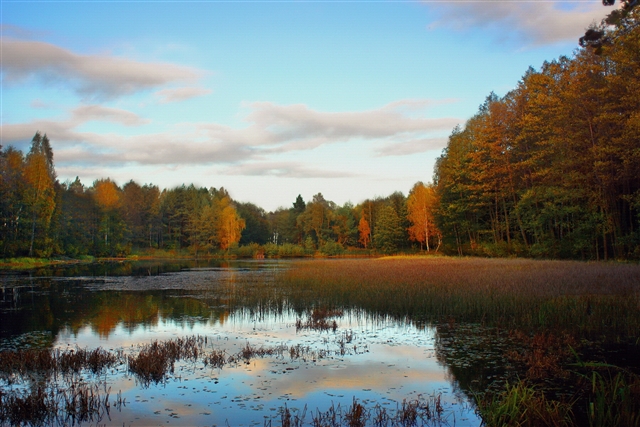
45	301
54	305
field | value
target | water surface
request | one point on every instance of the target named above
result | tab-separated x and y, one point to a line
121	307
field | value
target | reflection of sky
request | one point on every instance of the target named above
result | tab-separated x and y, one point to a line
392	362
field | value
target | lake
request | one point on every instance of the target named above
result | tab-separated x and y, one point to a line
309	365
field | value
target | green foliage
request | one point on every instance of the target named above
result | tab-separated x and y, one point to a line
331	248
614	400
389	233
286	250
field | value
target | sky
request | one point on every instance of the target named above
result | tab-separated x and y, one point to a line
268	99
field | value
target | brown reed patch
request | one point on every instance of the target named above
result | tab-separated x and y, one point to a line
154	360
592	300
420	411
319	320
544	354
51	405
28	362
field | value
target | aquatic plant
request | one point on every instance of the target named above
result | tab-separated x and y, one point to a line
75	404
521	405
28	362
592	300
318	320
154	360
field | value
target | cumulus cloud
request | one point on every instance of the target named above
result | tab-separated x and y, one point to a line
180	94
533	23
90	75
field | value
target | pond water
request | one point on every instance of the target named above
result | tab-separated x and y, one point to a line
380	362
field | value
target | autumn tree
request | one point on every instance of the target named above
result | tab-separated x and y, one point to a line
140	208
202	217
39	176
364	231
107	196
230	224
12	203
343	226
420	207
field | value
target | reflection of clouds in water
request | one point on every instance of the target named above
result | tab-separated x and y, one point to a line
346	377
393	361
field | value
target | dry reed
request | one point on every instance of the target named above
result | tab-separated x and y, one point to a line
593	300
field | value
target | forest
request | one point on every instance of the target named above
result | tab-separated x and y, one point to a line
549	170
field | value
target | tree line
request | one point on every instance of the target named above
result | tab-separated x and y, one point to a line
43	217
551	169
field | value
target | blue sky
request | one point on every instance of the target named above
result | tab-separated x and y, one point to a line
269	99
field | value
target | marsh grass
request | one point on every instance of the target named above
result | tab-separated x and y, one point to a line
423	411
155	361
614	399
548	308
319	320
52	362
51	405
591	300
521	405
51	388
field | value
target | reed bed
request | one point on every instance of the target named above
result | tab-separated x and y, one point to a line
51	362
550	310
423	411
52	405
156	360
41	399
319	320
591	300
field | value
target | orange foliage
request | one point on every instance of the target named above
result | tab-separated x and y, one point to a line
365	232
107	194
230	227
420	204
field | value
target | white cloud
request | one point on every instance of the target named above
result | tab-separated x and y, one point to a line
90	75
180	94
536	22
414	146
296	127
272	131
87	113
64	130
284	170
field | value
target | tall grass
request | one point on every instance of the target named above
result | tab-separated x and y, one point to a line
556	304
591	300
521	405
